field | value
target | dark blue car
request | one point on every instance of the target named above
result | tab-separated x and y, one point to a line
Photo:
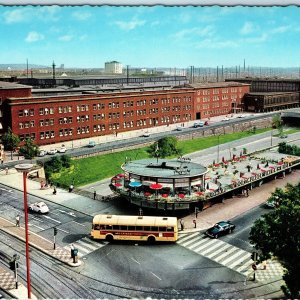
219	229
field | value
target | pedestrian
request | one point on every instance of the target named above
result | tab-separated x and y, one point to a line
181	224
6	170
71	188
196	211
195	223
140	212
18	220
95	194
2	161
247	192
54	191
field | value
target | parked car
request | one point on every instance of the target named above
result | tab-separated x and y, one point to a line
52	151
241	116
39	207
179	128
63	149
206	123
198	124
225	119
270	204
91	144
42	153
146	134
219	229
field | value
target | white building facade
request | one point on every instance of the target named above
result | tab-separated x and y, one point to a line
113	67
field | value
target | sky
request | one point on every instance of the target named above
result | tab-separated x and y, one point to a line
150	36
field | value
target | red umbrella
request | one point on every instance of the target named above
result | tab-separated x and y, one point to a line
156	186
115	178
117	184
165	195
121	175
200	193
147	194
181	196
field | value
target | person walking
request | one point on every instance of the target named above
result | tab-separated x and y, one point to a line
18	220
54	191
95	194
181	224
6	170
247	192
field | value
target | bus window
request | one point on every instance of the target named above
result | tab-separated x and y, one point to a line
102	226
96	227
147	228
123	227
140	228
170	229
108	227
162	228
131	228
116	227
154	228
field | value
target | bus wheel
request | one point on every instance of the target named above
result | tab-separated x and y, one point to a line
109	238
151	239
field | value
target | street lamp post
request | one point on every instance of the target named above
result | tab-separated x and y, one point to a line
218	149
25	168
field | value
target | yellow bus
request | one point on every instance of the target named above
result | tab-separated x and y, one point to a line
136	228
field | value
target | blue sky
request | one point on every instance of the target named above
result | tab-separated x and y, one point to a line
150	36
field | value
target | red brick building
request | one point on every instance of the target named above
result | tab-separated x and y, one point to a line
8	90
59	118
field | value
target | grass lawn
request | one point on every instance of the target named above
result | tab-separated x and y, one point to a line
95	168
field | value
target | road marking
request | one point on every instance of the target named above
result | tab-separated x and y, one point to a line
62	230
79	224
155	275
39	219
134	260
52	219
36	226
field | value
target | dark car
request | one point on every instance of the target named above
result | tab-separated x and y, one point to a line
219	229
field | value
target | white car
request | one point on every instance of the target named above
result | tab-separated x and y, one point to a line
52	151
146	134
241	116
42	153
199	124
225	119
179	128
39	207
62	150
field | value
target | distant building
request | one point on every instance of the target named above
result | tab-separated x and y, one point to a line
113	67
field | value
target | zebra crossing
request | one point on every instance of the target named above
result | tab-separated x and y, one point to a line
229	256
85	246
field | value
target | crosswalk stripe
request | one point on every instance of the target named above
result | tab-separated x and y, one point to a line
217	245
216	252
96	243
91	247
233	256
241	260
180	240
207	244
224	255
81	249
197	243
245	266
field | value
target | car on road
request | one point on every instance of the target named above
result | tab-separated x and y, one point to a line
241	116
220	228
270	203
179	128
52	151
42	153
39	207
91	144
225	119
198	124
146	134
63	149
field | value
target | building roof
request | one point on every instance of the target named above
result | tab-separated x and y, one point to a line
164	168
203	85
271	93
11	85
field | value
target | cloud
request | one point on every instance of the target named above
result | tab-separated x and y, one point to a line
247	28
81	16
34	36
195	31
281	29
216	44
130	25
255	40
15	16
66	38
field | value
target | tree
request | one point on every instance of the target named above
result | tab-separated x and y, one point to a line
165	147
10	141
29	150
277	234
277	123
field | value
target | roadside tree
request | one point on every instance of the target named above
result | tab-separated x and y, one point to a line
29	150
277	234
278	124
165	147
10	141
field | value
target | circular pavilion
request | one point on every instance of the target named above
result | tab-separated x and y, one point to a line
160	183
